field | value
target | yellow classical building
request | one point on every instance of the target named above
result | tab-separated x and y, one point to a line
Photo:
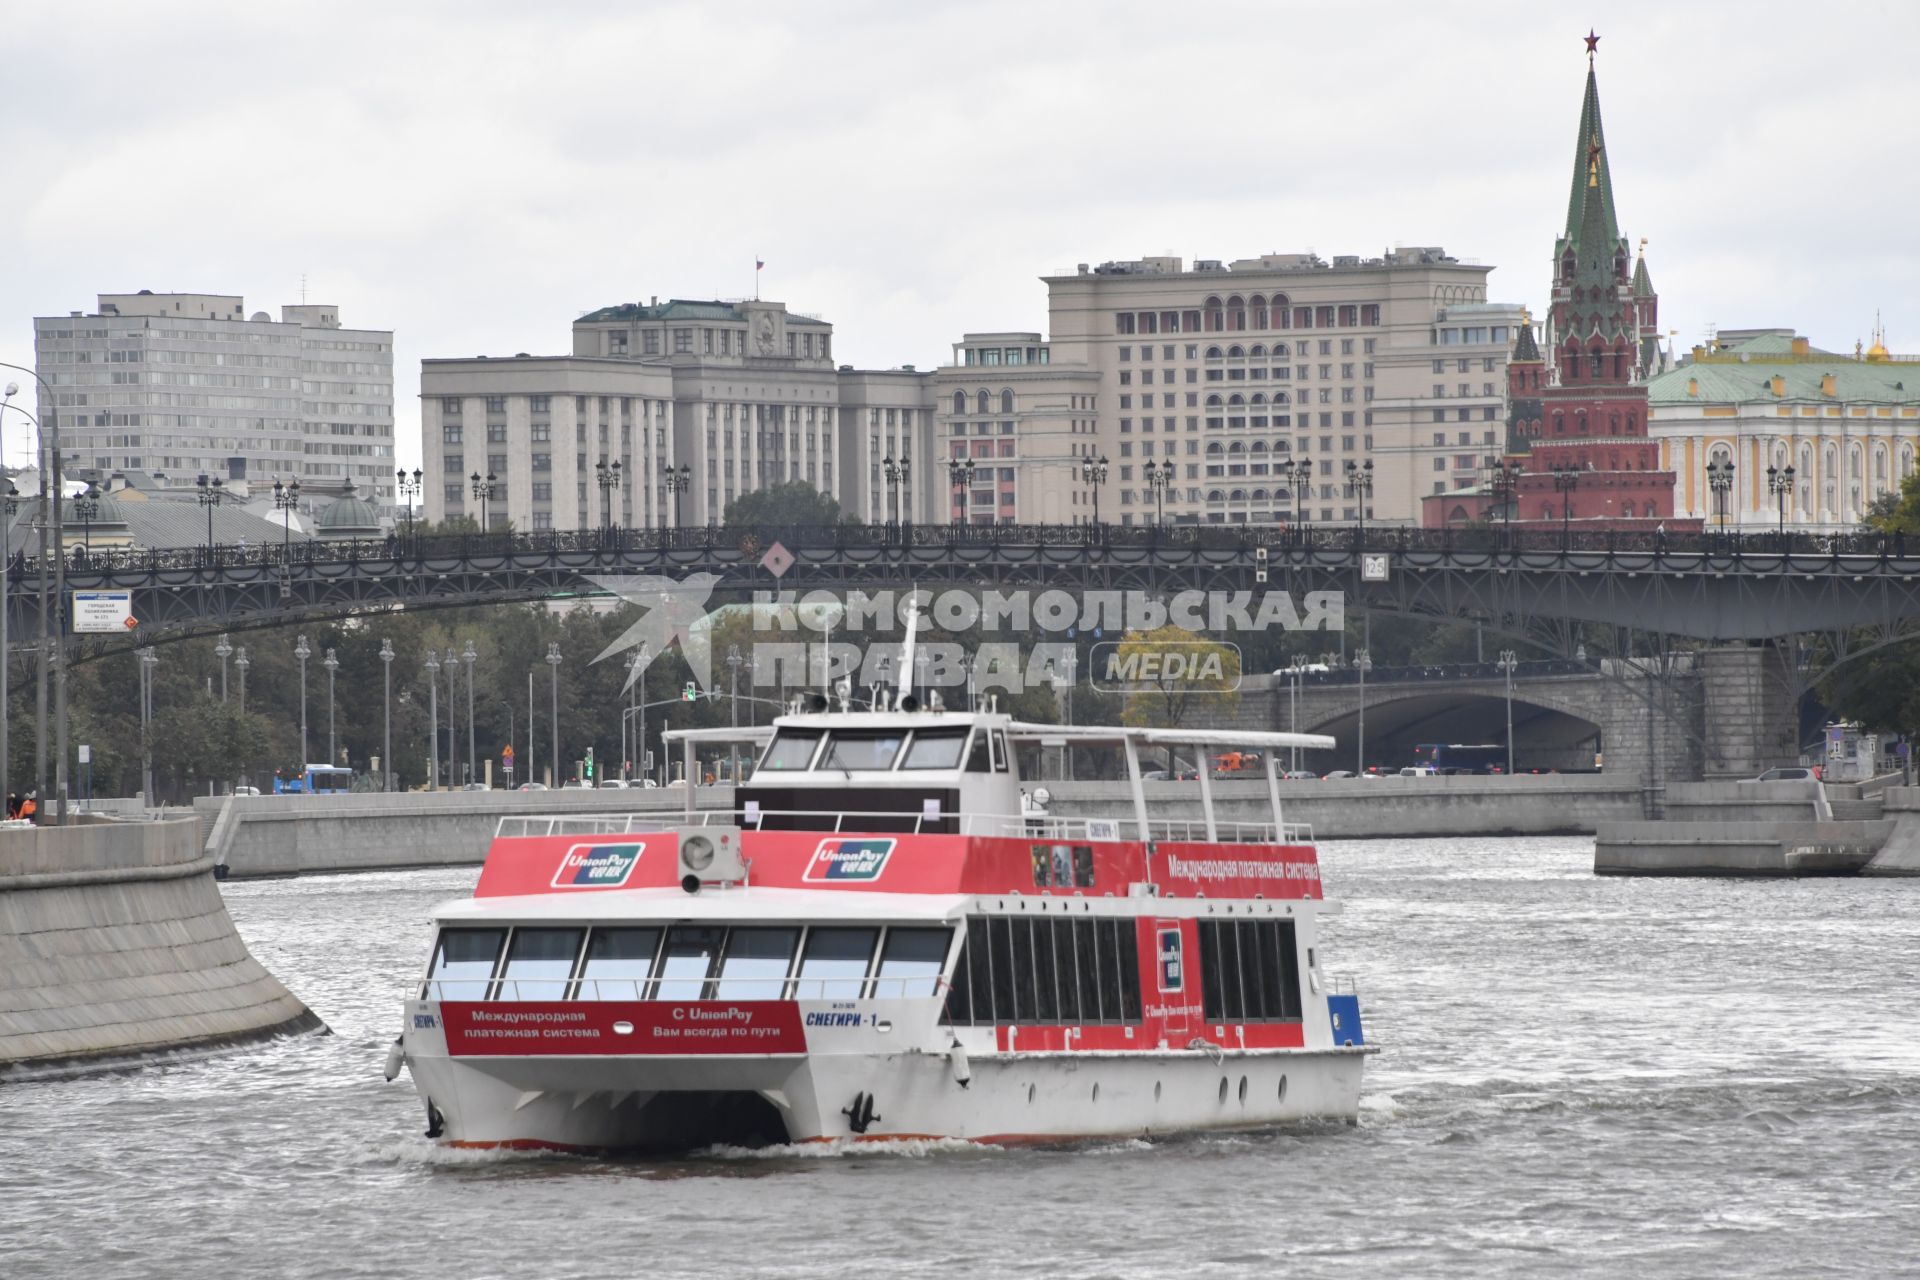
1847	425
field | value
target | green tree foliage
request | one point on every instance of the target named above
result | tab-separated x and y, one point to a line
791	503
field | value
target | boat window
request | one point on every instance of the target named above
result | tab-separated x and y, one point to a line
1047	971
869	750
619	962
539	962
1046	1007
977	761
756	963
1000	764
463	962
1063	975
1249	971
1086	959
911	962
791	749
1124	945
935	749
834	966
687	961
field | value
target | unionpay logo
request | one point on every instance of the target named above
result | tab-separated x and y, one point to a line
839	859
597	866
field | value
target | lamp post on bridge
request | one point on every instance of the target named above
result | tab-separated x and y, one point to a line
1779	485
209	496
607	478
1360	488
1565	480
406	489
286	499
483	492
1093	472
1720	481
88	505
679	480
1159	479
1296	474
1503	482
960	472
1507	663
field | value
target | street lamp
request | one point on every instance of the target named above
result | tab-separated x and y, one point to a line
1296	476
895	472
223	651
407	489
88	505
634	755
483	490
332	664
302	652
1363	663
679	479
733	709
1295	668
1159	480
1360	487
241	662
1780	484
960	472
1502	482
53	656
1506	665
473	761
286	499
1094	473
147	660
608	478
1720	481
553	663
1565	480
433	720
209	496
386	733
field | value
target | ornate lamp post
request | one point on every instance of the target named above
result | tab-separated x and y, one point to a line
386	733
679	480
88	505
960	473
333	664
1360	488
482	492
1093	472
407	489
209	495
608	479
223	651
553	664
241	662
1565	480
1720	481
433	720
1780	484
303	652
1503	480
1506	665
286	500
473	761
1159	480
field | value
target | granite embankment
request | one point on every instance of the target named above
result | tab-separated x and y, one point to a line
114	943
1795	828
307	835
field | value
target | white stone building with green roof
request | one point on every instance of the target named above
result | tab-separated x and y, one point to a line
1848	425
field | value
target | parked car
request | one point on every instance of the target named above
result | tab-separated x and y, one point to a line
476	786
1417	771
531	786
574	784
615	784
246	791
1300	774
1790	773
1337	774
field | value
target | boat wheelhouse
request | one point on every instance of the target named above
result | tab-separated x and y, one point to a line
887	935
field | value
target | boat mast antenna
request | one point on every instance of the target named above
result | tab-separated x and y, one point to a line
906	650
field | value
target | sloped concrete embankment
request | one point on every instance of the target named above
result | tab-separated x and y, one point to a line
1742	829
1900	855
114	943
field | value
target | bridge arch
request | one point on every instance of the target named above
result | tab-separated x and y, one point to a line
1549	732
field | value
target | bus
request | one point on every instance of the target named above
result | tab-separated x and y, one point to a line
1455	757
318	780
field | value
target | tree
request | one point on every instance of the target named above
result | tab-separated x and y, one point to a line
788	504
1172	673
1898	513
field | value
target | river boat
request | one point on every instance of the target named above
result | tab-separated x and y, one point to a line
888	936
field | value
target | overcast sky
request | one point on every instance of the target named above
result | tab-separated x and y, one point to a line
475	175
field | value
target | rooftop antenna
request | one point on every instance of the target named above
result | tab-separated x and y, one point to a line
303	288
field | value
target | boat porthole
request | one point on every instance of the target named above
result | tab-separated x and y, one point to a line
1283	1088
1096	1093
1223	1091
1156	1091
1243	1091
1030	1091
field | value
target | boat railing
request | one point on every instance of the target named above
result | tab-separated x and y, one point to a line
673	990
863	822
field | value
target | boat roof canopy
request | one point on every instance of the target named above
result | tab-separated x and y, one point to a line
1089	735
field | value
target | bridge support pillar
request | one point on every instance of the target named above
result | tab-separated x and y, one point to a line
1752	718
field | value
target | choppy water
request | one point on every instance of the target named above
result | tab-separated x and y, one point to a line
1673	1077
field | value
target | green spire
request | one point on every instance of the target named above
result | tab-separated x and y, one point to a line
1590	216
1642	282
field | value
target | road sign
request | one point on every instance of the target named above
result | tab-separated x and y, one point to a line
102	611
86	754
506	753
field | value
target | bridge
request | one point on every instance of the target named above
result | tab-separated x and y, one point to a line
1857	592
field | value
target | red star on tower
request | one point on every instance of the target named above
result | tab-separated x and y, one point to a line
1593	42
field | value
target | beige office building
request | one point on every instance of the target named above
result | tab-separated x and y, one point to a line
1228	370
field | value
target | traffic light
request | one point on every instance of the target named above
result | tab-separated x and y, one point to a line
588	766
688	693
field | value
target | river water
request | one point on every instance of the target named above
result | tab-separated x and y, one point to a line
1609	1076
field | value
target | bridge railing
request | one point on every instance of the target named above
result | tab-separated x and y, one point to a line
1283	543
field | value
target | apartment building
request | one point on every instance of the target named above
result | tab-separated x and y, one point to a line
188	383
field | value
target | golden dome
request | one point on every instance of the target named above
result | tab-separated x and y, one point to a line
1878	351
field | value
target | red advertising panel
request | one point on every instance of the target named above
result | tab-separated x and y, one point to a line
619	1028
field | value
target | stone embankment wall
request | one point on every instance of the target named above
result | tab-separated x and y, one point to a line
114	942
1900	855
1782	828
